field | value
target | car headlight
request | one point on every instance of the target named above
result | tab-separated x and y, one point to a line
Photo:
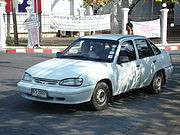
71	82
27	77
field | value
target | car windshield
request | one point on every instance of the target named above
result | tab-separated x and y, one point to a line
91	49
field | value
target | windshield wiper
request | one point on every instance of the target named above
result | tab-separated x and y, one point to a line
74	56
102	60
84	57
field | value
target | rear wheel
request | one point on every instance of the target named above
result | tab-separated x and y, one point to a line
100	96
157	83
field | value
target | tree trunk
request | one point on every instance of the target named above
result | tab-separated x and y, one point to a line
16	42
40	27
8	25
132	6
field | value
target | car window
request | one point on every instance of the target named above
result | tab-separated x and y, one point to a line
92	49
143	47
127	52
155	48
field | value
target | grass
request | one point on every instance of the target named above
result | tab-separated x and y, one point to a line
24	42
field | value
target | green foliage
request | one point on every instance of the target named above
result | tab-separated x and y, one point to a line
169	1
97	3
46	42
173	1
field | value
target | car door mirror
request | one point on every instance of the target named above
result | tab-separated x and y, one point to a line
58	54
122	59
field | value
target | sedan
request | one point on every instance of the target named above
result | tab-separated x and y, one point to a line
95	68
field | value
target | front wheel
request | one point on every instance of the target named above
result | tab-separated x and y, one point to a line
157	83
100	98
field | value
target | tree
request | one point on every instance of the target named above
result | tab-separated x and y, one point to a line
169	1
13	7
96	4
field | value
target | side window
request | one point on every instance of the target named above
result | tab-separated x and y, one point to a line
127	52
143	47
155	49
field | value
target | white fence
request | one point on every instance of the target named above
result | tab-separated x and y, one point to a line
21	17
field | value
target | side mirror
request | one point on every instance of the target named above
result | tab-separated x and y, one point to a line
122	59
58	54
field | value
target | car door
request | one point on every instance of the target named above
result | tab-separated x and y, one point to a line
146	61
128	74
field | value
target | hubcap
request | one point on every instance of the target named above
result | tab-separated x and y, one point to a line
158	82
101	96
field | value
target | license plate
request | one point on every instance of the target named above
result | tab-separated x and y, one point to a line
39	93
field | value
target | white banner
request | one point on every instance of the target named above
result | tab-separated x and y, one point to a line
78	23
149	29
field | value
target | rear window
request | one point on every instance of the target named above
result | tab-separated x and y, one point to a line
155	48
144	48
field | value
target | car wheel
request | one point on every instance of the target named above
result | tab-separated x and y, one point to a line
100	96
157	83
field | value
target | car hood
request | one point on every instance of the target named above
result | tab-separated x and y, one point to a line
65	68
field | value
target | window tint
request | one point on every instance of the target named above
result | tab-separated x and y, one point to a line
143	48
155	49
91	49
127	52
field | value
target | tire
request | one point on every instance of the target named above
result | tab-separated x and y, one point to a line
100	97
157	83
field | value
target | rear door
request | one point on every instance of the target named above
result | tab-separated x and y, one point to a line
147	61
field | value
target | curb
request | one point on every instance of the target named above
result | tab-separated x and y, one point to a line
33	50
55	50
169	47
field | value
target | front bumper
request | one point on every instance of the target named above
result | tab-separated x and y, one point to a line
57	94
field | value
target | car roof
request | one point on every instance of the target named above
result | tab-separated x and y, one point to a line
110	36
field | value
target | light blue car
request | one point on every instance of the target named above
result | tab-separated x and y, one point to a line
95	68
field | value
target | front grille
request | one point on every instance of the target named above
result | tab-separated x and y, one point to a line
45	81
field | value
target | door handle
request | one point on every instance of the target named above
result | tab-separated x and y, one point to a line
138	66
